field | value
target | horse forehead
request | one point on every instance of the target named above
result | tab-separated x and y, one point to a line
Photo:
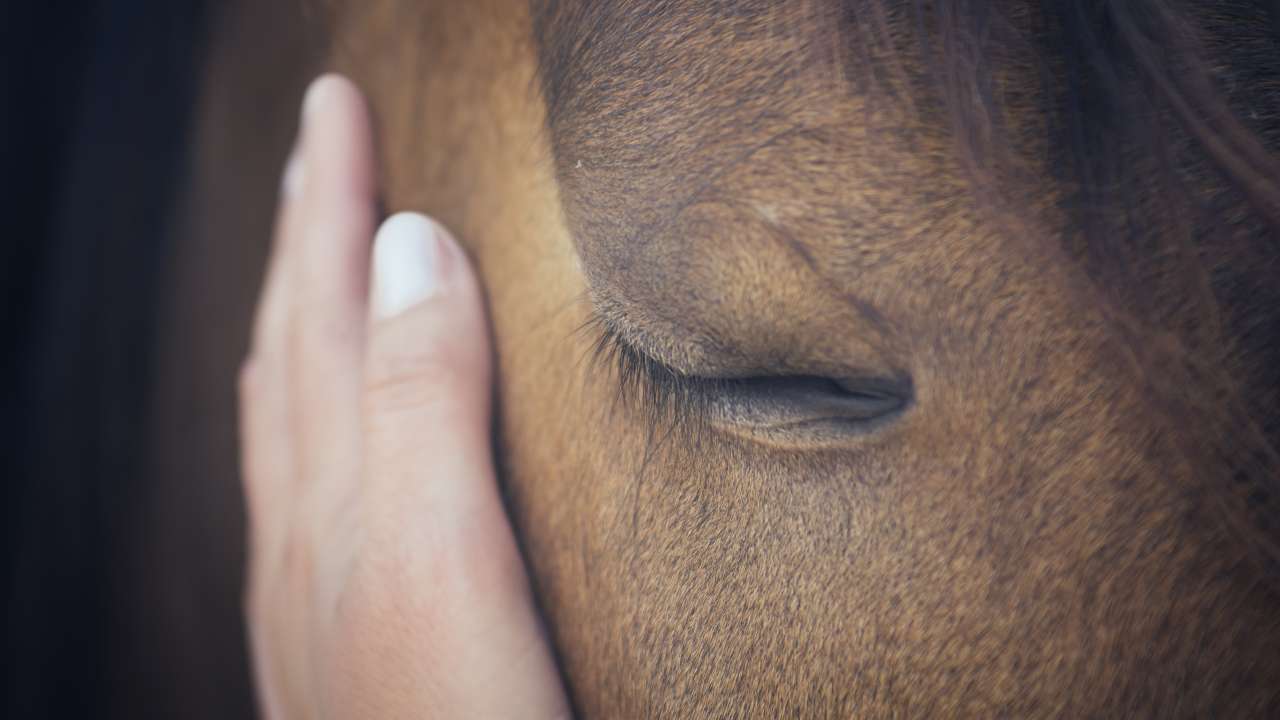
677	133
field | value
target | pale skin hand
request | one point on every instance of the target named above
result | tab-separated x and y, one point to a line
384	579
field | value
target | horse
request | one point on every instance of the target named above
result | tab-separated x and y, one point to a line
863	357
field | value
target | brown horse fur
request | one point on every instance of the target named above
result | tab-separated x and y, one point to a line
1052	225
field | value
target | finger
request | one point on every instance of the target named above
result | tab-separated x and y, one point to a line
329	285
266	444
267	468
430	489
427	363
272	314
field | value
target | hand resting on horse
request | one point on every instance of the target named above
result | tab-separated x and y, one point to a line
384	578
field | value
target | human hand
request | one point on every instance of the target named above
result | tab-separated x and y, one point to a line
384	578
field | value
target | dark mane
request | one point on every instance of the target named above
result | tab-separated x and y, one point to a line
1160	119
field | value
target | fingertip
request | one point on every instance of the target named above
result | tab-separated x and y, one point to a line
321	92
325	89
294	176
407	263
428	341
338	141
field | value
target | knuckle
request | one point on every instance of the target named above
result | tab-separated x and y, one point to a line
403	382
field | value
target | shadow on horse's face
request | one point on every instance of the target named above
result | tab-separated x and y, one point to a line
835	432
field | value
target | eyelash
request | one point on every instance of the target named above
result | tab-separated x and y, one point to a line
660	394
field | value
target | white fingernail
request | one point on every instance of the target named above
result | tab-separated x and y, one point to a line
312	98
293	175
406	263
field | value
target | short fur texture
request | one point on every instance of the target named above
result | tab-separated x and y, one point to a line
1057	219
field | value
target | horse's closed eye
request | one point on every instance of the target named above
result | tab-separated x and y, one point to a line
802	407
785	409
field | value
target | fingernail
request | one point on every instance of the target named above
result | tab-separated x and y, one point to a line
406	263
313	97
294	173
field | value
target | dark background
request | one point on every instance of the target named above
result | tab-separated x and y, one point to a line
95	116
95	110
128	266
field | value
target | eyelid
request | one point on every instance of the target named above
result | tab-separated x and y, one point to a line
783	409
658	391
